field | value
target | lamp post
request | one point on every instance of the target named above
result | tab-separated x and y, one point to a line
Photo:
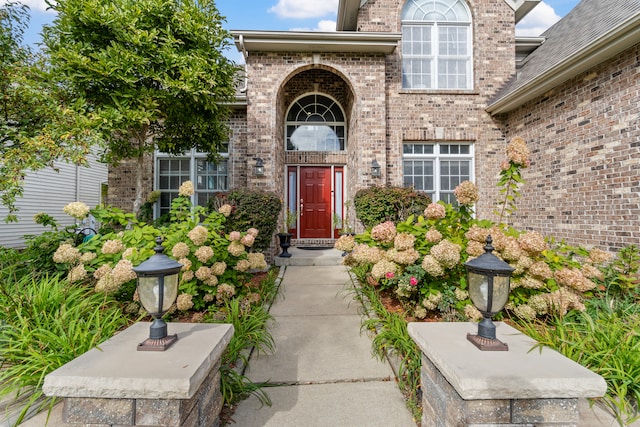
158	289
488	277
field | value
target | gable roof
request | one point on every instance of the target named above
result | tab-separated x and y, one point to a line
594	31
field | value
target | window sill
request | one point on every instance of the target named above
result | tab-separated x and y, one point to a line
437	92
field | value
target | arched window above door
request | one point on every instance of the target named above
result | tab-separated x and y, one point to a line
315	122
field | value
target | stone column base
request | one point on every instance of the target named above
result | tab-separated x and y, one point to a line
116	385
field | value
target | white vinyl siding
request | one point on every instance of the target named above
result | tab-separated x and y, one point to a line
49	191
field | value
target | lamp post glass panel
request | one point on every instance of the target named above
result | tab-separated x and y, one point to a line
488	278
158	289
375	169
259	167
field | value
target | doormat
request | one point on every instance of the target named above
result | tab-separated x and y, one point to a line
314	248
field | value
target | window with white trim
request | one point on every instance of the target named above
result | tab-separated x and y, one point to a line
208	177
315	122
436	45
437	168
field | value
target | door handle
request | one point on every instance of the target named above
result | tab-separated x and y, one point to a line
301	207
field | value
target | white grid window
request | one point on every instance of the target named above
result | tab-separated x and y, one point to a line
315	123
208	178
436	45
437	168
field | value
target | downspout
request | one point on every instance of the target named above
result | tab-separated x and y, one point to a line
244	55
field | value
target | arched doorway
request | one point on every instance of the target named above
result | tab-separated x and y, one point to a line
315	146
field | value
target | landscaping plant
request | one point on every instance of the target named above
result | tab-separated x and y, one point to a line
418	262
218	283
378	204
46	322
390	339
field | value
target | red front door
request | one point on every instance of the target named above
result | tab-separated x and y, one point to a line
315	202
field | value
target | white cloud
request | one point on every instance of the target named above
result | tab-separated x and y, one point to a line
537	21
323	26
301	9
34	5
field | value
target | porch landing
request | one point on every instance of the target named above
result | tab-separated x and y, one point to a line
310	257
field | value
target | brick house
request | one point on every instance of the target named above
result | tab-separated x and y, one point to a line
427	94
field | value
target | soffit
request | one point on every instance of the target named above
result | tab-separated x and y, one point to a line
591	33
298	41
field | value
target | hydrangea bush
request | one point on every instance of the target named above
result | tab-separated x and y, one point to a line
216	266
421	260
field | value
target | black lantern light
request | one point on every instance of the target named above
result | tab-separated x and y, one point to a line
259	167
488	278
158	289
375	169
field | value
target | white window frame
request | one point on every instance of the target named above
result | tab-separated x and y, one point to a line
434	56
437	159
301	123
192	156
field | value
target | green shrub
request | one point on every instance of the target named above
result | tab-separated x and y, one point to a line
605	340
46	323
379	204
252	209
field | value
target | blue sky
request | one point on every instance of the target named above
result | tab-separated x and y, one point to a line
304	15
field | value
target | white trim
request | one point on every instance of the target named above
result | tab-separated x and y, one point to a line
437	157
313	41
614	42
294	123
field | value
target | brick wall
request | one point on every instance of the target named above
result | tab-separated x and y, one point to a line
584	181
429	115
122	183
238	158
277	79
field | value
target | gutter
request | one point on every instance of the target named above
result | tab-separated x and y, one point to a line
245	56
617	40
316	42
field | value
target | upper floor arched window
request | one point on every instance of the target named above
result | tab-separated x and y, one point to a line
436	45
315	123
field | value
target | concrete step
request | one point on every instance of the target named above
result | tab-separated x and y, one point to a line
310	257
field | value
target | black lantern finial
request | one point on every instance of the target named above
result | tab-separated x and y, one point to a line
488	278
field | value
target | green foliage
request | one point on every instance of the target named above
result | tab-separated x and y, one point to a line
511	176
45	324
607	341
37	257
509	183
391	338
250	331
624	273
38	119
252	209
378	204
590	307
152	72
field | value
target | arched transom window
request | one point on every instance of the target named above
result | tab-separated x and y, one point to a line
315	123
436	45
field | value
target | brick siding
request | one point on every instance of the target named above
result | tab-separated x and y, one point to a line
584	181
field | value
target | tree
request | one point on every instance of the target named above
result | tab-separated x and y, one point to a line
151	70
39	122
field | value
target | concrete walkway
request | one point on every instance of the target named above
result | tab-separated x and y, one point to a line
323	366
